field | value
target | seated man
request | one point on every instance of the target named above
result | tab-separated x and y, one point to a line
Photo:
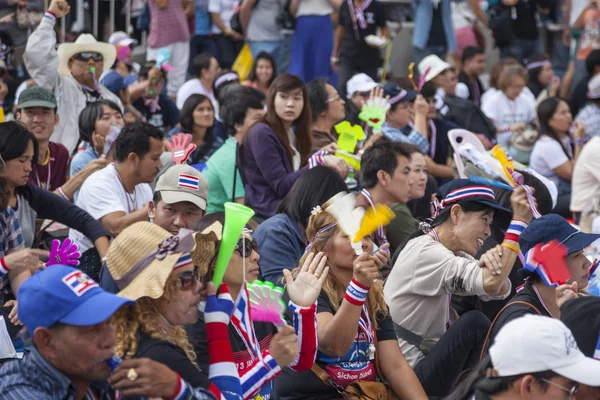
71	72
158	109
69	319
179	202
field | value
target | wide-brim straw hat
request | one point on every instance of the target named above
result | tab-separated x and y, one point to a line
206	247
85	43
134	244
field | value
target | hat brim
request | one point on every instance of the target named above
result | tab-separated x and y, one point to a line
127	42
367	87
67	50
580	241
585	371
36	103
436	70
95	310
171	197
152	280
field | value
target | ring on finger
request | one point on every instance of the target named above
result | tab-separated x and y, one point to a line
132	375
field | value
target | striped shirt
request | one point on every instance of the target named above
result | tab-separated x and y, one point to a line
10	240
34	378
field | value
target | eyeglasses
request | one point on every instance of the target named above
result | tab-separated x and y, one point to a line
187	279
571	391
335	98
245	247
86	56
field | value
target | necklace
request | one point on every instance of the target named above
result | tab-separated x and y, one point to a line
37	173
131	204
47	160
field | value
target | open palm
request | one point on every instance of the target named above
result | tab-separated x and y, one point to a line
305	289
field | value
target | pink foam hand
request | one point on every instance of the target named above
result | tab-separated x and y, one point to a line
66	253
266	314
181	147
266	304
422	79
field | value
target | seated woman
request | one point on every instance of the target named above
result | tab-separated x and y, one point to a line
18	147
519	367
281	238
260	349
553	156
438	263
539	298
263	73
276	150
327	109
354	325
542	82
155	269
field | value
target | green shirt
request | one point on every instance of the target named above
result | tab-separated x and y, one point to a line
219	174
400	228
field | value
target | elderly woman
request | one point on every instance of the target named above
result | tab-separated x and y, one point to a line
356	334
154	268
275	347
436	263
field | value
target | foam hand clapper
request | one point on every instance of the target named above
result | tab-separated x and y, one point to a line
348	136
373	113
343	208
373	219
181	147
548	261
266	304
65	254
162	56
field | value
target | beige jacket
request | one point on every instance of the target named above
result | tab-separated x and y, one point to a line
418	288
41	61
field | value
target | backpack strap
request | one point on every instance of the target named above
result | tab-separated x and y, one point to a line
487	338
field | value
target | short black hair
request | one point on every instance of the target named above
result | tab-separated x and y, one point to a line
470	52
317	96
234	111
135	138
92	113
312	189
14	139
428	90
592	61
201	61
382	156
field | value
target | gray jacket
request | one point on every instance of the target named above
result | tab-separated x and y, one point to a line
41	61
18	35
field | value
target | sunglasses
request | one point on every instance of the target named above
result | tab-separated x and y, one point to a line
245	247
86	56
187	279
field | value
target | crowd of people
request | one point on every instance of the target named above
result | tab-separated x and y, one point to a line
482	284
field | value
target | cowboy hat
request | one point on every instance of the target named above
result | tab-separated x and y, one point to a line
143	256
85	43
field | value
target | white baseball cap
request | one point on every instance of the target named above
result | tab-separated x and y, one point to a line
435	64
360	83
122	39
534	343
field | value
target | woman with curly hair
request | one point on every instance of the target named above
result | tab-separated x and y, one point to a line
354	325
155	269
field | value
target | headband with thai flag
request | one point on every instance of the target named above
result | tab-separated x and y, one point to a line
537	64
398	97
472	193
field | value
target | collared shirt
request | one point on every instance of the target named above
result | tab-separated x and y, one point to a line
414	137
10	240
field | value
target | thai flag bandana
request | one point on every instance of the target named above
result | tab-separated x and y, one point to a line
469	192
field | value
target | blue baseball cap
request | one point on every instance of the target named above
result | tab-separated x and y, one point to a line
114	82
397	94
554	227
67	295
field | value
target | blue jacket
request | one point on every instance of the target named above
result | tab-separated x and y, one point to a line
281	245
423	14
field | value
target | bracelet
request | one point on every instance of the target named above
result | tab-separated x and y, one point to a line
62	193
3	267
515	229
49	14
356	293
180	391
580	142
510	246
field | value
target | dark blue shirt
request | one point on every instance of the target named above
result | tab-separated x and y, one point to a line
165	118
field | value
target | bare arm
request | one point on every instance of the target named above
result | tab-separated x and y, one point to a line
216	19
438	170
479	13
246	13
336	4
115	222
75	182
565	170
188	8
16	279
400	375
385	32
294	6
102	245
336	333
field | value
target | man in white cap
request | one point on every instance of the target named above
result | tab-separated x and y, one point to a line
72	72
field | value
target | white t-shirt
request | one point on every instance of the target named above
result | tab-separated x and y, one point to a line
225	8
547	154
462	14
503	111
194	86
314	7
585	185
102	194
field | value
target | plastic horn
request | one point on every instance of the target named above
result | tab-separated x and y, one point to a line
236	218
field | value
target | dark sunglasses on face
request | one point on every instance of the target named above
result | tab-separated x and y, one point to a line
245	247
189	278
86	56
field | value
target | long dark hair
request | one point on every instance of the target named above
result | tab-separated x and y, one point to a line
545	111
477	380
533	82
286	83
263	56
187	113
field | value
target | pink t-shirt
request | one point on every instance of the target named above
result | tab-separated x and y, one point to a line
167	25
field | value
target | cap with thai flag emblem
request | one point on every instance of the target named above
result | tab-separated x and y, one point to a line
67	295
183	183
